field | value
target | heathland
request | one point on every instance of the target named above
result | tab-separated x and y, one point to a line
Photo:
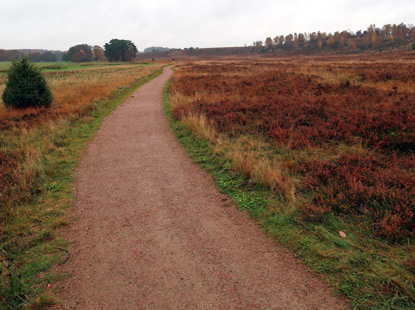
320	150
39	150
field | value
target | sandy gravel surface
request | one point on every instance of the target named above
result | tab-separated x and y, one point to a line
150	231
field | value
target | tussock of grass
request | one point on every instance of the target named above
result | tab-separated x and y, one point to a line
250	157
245	154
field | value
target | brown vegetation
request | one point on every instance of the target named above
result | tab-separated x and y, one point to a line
332	137
343	131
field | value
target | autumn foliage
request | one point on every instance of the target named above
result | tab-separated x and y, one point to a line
358	117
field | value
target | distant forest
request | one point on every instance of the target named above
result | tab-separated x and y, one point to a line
36	55
388	36
374	38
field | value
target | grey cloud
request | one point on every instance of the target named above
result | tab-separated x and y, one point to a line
60	24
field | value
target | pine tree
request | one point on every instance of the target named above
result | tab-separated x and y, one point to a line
26	87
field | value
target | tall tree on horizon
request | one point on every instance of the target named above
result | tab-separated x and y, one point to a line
268	43
79	53
99	53
120	50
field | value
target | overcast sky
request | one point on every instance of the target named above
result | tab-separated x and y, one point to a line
60	24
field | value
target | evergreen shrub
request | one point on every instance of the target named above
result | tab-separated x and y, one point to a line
26	87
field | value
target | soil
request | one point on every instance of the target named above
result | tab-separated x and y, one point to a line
150	230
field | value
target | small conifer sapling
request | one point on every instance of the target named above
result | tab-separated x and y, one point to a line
26	87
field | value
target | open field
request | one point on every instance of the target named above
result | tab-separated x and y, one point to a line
74	90
333	142
63	65
39	149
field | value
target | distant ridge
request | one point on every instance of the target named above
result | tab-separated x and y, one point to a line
156	49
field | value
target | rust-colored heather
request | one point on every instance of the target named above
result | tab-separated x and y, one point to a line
374	187
286	106
310	105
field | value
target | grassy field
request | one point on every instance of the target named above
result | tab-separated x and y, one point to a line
39	148
64	65
316	150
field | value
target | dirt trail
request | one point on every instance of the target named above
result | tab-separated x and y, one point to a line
152	232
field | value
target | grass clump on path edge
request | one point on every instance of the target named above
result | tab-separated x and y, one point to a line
364	270
29	245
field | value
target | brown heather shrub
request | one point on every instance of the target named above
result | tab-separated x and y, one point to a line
364	186
307	105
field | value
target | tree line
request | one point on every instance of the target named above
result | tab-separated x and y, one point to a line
83	53
373	38
115	50
35	56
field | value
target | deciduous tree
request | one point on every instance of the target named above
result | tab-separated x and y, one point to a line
99	53
330	40
268	43
301	39
288	41
341	42
79	53
120	50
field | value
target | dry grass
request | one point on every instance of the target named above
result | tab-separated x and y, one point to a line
249	155
74	91
246	154
201	127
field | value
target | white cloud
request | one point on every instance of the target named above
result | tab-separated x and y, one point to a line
61	24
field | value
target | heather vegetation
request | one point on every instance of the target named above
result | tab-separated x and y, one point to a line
333	140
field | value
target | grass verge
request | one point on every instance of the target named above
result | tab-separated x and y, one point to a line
370	273
29	245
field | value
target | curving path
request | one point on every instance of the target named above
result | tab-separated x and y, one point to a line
150	230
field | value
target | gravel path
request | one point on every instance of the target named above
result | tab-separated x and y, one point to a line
150	230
